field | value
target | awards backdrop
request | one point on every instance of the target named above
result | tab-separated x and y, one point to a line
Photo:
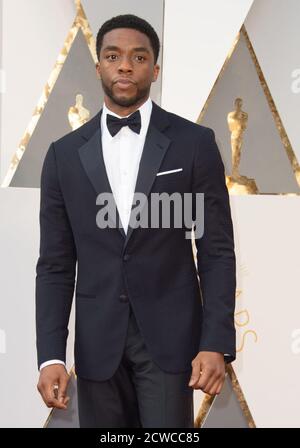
233	66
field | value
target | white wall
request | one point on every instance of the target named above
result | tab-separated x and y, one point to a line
198	35
34	32
273	27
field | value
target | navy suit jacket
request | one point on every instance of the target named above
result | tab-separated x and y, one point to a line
181	307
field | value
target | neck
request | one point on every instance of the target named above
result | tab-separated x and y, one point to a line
123	111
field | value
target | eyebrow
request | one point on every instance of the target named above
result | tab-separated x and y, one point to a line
114	47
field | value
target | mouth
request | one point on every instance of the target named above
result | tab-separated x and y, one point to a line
124	83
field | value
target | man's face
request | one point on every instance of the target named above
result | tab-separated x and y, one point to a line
126	66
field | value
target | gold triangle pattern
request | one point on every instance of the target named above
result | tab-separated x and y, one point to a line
278	121
80	22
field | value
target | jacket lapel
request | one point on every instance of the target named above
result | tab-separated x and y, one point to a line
155	147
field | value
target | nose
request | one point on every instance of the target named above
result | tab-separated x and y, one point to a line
125	65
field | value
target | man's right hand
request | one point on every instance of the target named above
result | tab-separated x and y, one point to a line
51	376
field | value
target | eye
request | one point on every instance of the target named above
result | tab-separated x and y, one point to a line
112	56
140	58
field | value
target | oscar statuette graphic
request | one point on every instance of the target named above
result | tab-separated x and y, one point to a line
237	122
78	115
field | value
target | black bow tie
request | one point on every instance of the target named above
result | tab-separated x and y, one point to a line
114	124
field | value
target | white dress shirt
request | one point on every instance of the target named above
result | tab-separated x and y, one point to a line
121	154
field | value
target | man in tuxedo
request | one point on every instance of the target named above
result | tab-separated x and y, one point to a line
148	329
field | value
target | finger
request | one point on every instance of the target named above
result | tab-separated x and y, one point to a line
44	391
50	398
62	388
66	400
204	379
196	373
215	389
58	405
55	403
213	381
220	387
216	375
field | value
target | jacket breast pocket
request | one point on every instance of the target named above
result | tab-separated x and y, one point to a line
170	181
169	172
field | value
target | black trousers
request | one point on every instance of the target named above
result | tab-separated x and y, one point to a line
139	394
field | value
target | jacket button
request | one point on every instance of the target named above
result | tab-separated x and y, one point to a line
123	298
126	257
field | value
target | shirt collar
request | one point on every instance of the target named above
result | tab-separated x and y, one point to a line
145	111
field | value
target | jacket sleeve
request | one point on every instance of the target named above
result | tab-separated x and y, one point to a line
56	266
216	262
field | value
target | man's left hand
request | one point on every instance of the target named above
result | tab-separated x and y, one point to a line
208	373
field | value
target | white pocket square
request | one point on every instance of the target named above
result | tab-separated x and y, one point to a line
168	172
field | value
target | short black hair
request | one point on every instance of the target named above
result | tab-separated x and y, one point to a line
129	21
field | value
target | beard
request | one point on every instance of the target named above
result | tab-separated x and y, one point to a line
125	101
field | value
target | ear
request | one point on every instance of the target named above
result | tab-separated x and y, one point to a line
155	72
98	72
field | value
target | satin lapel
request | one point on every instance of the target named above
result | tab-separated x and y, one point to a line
91	156
155	147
